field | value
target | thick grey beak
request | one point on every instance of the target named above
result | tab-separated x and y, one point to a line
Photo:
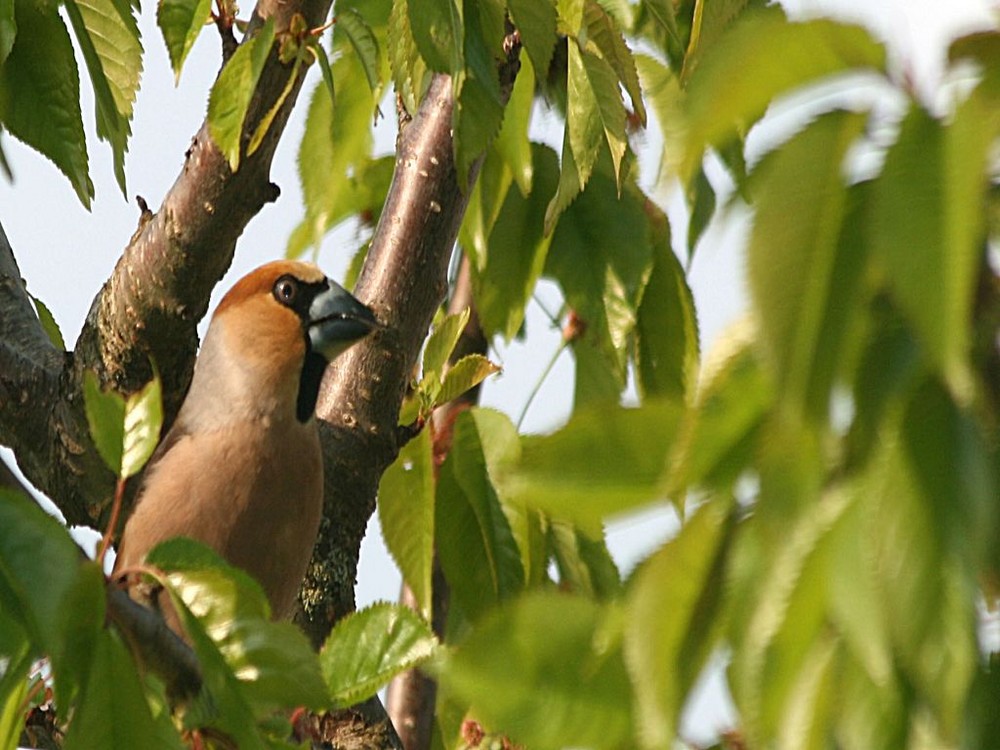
337	320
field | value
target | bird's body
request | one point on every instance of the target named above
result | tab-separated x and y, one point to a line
240	469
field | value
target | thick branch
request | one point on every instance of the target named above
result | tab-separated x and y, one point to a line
148	309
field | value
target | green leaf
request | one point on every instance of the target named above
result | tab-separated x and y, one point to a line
671	611
409	71
232	91
927	227
718	440
16	651
438	31
365	45
8	29
801	209
113	712
512	141
505	275
536	22
143	420
708	21
368	648
326	71
663	93
40	93
666	341
181	21
595	113
786	620
604	36
603	462
49	324
478	552
109	40
602	256
556	649
338	177
106	420
38	568
761	58
441	343
701	202
81	622
406	513
479	110
584	563
467	373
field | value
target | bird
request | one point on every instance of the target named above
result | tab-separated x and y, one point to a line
240	469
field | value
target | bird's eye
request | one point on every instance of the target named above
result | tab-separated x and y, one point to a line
286	290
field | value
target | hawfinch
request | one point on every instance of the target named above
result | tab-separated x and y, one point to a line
241	470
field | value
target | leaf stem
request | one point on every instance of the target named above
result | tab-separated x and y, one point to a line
116	509
541	379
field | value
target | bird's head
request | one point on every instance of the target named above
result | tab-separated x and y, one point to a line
277	329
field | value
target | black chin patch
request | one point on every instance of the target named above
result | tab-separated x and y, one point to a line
313	368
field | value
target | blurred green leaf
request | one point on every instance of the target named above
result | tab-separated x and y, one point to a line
708	21
505	277
603	462
476	547
406	513
547	671
602	255
663	94
772	651
717	441
8	29
763	57
927	227
40	93
666	327
81	624
15	650
584	563
337	175
112	51
38	567
233	89
701	200
181	21
536	22
438	32
801	206
113	712
671	617
368	648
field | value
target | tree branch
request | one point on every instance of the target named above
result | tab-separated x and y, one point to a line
404	280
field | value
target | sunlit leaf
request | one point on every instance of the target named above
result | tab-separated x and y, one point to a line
763	57
927	226
604	36
40	93
595	112
368	648
365	45
479	555
112	51
468	372
603	462
142	422
550	647
409	70
181	21
406	513
442	342
801	209
233	90
673	601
